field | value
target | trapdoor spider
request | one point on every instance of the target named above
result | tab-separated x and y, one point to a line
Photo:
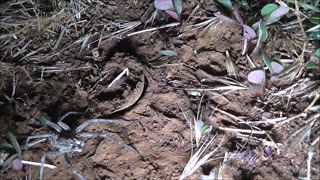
67	142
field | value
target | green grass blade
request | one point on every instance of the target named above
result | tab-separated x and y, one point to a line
267	61
7	147
263	33
15	144
315	19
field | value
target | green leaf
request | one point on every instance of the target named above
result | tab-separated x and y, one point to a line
44	120
314	35
277	14
312	65
317	53
268	9
226	4
169	53
260	26
206	129
178	6
7	147
224	7
159	62
315	19
267	61
263	33
15	144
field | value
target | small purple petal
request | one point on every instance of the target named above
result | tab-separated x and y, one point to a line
249	32
237	15
279	12
17	165
246	35
276	14
238	154
163	4
274	78
223	17
277	67
268	152
257	76
173	14
250	159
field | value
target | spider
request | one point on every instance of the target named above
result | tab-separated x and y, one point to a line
66	142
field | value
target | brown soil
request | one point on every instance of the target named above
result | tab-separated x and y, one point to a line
154	99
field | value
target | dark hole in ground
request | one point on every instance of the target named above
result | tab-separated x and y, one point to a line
123	45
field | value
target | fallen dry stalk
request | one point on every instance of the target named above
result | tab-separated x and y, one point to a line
242	130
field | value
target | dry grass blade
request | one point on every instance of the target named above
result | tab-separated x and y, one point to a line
303	89
153	29
302	133
210	23
231	69
230	84
124	28
222	166
203	143
198	159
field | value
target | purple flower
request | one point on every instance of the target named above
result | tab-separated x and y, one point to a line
268	152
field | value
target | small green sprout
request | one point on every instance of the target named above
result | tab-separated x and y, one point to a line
206	129
164	58
15	144
14	151
312	65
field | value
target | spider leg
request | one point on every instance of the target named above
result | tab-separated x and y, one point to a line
43	158
96	134
67	114
107	121
54	126
43	136
73	170
64	125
